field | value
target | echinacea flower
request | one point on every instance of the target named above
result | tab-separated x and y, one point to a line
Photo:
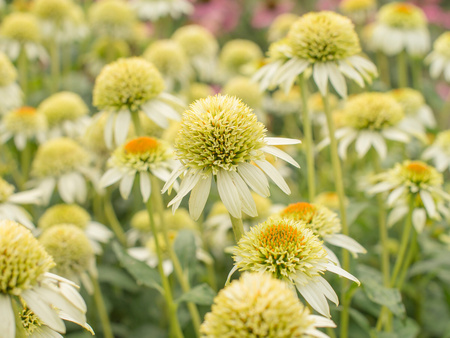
201	48
369	119
289	250
239	57
439	151
220	137
19	31
323	42
323	222
66	113
26	284
10	203
281	103
280	27
127	86
23	125
144	156
10	92
258	305
153	10
61	162
358	10
74	214
401	26
417	180
105	50
439	58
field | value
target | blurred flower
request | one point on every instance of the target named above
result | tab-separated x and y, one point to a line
21	31
127	86
369	119
439	151
280	103
324	223
66	113
413	179
200	47
74	214
218	16
239	57
258	305
323	42
439	58
289	251
170	59
144	156
358	10
60	162
26	284
10	93
72	253
221	137
23	125
317	110
10	203
266	11
401	26
153	10
112	18
280	27
104	51
198	90
330	199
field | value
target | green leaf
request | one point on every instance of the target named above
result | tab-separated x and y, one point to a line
184	247
354	210
373	286
201	294
117	277
143	274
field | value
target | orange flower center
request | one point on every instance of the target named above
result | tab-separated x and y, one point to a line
418	168
301	211
141	145
26	110
280	236
404	8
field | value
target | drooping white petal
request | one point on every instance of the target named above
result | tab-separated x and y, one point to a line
419	219
394	195
177	171
121	126
33	196
273	173
66	188
188	183
156	117
345	242
428	203
255	178
111	176
345	142
20	140
126	184
280	154
248	204
109	128
380	145
396	214
229	194
280	141
199	196
322	321
315	298
351	73
363	143
145	185
339	271
327	290
7	321
320	75
395	135
44	312
331	255
381	187
337	79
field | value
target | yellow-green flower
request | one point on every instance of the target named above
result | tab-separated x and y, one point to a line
439	58
358	10
439	151
280	27
152	10
245	89
237	55
258	305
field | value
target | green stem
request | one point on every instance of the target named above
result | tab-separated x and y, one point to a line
339	183
112	218
404	242
101	308
383	68
212	281
55	66
171	306
409	257
309	142
416	69
238	228
402	70
136	123
22	67
181	276
25	161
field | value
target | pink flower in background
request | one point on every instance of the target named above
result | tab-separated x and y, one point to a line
266	11
327	5
435	13
218	16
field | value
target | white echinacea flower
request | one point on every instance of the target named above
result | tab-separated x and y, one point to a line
416	180
220	137
153	10
144	156
289	250
324	42
439	151
439	58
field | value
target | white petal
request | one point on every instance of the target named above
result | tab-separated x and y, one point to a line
66	188
281	154
33	196
339	271
381	187
428	202
248	204
327	290
380	145
273	173
363	143
121	126
320	75
331	255
345	142
346	242
396	214
255	178
396	135
337	79
419	219
315	298
229	194
280	141
7	322
43	310
173	177
394	195
188	183
126	184
108	133
199	196
146	187
111	176
351	73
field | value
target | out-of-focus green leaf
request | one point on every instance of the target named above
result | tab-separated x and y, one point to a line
143	274
354	210
201	294
116	277
184	247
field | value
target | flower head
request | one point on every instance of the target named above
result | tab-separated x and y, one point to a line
220	136
64	213
53	10
288	250
358	10
196	40
402	15
439	151
281	103
22	27
410	99
8	73
63	106
281	26
6	190
258	305
439	58
239	53
245	89
442	45
127	84
198	90
113	18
